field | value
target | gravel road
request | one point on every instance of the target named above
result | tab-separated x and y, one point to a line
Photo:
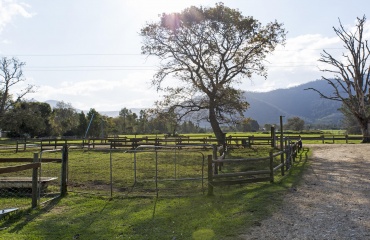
331	202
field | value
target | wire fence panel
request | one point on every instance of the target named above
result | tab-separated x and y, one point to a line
25	181
49	180
89	171
110	172
15	188
169	171
123	173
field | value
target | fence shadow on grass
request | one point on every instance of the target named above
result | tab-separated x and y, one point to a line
23	217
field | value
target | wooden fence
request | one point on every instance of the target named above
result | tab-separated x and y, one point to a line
287	159
327	138
34	182
157	140
35	165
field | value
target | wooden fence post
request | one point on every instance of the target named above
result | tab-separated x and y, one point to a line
282	156
210	176
35	189
63	184
272	167
287	155
215	156
282	162
16	148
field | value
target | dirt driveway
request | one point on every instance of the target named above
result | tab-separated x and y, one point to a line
332	201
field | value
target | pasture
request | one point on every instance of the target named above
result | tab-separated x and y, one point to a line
148	209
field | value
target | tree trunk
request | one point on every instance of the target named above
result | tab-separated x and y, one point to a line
216	126
365	127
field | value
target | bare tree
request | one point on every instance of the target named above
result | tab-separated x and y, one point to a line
351	75
209	50
11	74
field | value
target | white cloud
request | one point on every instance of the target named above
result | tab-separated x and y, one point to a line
9	9
296	63
301	52
132	91
5	41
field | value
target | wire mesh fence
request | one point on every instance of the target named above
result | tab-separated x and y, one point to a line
148	170
49	178
15	191
27	181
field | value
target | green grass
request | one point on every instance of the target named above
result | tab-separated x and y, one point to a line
226	215
334	132
223	216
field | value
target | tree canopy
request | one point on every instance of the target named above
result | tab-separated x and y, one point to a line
28	119
64	118
209	51
295	124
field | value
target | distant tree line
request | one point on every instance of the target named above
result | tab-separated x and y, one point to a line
37	119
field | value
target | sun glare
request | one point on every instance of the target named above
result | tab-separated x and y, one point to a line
152	9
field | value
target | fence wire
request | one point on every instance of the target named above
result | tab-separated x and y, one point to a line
17	179
49	179
144	171
15	194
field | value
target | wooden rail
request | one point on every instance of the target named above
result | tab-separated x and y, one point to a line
34	163
19	168
35	166
215	178
133	142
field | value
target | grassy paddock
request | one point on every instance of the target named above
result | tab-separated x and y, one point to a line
226	215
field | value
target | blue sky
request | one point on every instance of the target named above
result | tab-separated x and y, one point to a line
87	52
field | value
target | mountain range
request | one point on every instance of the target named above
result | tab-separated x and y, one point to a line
267	107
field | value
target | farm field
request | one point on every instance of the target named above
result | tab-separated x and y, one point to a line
187	214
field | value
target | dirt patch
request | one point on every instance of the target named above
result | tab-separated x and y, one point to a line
332	202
